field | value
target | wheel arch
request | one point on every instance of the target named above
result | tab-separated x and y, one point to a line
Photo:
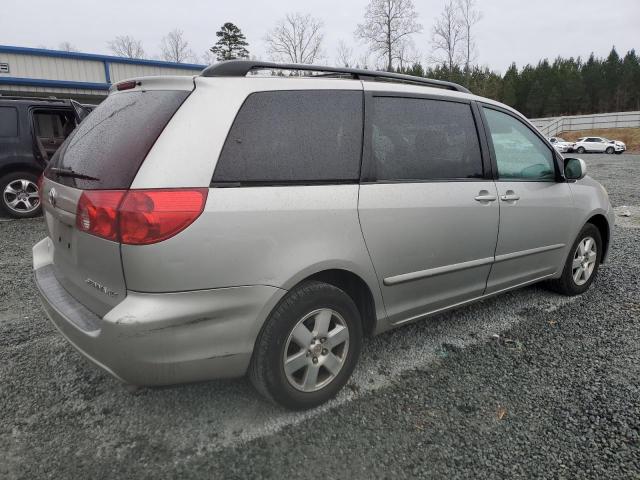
602	224
19	167
354	286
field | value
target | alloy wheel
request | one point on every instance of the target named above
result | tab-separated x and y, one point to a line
584	260
21	196
316	350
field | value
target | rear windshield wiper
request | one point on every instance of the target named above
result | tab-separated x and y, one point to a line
67	172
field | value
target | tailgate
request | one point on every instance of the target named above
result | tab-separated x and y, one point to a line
88	267
103	154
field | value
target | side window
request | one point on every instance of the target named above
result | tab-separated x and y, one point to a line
420	139
520	154
294	136
8	122
44	125
53	125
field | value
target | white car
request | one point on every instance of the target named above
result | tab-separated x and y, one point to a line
598	145
619	146
561	145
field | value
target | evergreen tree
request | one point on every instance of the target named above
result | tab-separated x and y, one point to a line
231	43
567	86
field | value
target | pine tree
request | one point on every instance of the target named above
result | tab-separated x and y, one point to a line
231	43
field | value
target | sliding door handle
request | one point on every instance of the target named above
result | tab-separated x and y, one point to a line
510	197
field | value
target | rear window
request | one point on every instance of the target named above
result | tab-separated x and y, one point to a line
8	122
292	137
112	142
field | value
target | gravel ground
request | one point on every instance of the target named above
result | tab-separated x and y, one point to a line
529	384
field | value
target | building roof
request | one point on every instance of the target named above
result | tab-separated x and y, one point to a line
97	57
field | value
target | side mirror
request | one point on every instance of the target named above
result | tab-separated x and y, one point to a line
574	168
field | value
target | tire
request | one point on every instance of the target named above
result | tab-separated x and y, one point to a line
567	283
581	150
308	305
19	195
610	150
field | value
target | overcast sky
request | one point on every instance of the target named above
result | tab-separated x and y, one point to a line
523	31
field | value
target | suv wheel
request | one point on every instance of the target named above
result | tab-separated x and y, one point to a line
308	347
582	264
20	196
580	150
610	150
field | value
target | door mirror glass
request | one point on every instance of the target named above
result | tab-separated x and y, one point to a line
574	168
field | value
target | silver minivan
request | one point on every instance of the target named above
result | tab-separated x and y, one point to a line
230	224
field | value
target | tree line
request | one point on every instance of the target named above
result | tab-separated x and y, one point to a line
565	86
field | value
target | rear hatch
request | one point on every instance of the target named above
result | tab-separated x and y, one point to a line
100	160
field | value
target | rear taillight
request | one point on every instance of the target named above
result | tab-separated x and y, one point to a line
139	217
150	216
97	213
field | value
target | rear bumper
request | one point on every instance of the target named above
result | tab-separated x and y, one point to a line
161	338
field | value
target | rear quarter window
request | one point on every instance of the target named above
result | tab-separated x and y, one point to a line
294	136
112	142
8	122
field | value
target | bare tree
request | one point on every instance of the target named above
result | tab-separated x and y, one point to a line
175	48
405	53
386	24
344	56
208	57
126	46
469	16
67	47
297	38
447	36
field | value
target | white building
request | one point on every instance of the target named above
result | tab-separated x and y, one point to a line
85	77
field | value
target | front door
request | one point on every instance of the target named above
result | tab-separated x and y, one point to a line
428	212
535	209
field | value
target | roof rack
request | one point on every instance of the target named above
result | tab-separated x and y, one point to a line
240	68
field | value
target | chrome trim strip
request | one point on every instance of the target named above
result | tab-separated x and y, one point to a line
471	300
431	272
524	253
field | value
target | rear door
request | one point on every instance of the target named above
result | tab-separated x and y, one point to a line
428	206
103	153
535	204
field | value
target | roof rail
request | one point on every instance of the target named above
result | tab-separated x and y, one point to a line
27	97
240	68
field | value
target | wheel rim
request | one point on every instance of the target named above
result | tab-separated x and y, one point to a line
584	260
21	196
316	350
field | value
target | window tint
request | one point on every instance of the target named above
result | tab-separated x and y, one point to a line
53	124
292	136
417	139
112	142
8	122
520	154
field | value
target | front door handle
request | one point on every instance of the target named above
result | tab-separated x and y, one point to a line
509	196
485	196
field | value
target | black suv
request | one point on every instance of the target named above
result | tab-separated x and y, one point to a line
31	130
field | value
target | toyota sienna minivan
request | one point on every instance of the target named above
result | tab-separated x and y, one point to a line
230	224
